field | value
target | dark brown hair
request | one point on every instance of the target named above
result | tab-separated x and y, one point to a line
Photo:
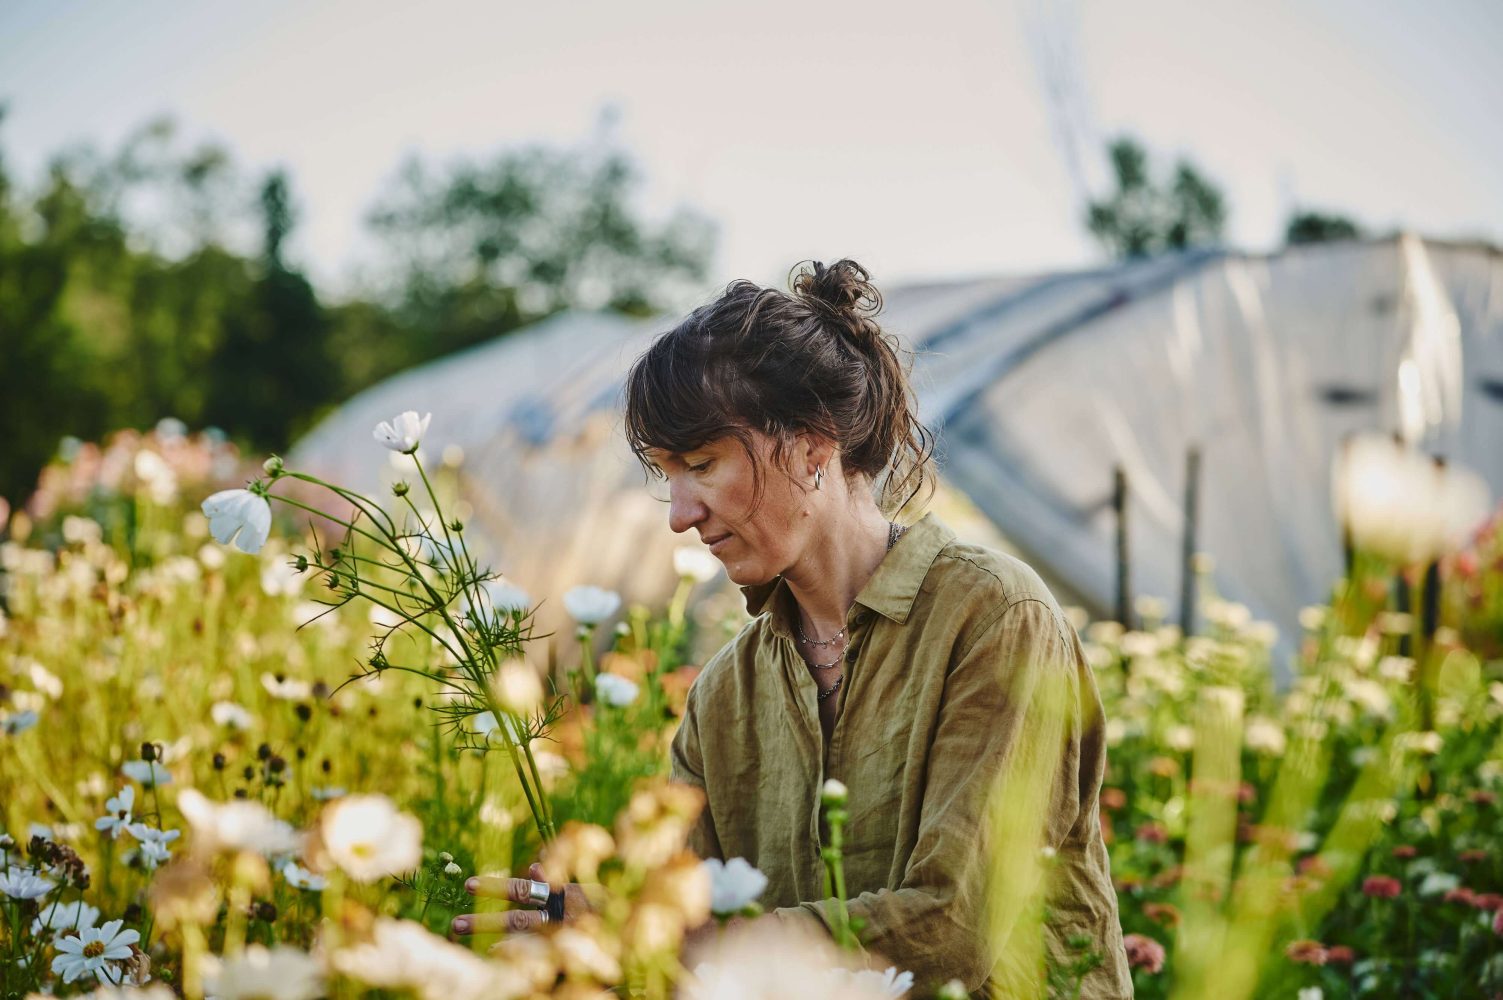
812	361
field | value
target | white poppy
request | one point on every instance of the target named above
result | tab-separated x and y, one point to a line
591	605
147	772
240	825
239	516
368	837
91	949
404	433
734	885
694	562
616	690
261	973
117	812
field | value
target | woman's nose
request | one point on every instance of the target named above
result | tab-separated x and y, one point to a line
685	509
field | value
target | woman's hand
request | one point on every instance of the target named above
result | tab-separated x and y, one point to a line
517	890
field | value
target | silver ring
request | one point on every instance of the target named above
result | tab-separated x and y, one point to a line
544	915
537	892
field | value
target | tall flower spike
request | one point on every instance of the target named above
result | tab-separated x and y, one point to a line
404	433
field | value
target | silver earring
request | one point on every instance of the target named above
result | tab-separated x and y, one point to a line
819	476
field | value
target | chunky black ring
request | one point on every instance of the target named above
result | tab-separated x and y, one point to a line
556	906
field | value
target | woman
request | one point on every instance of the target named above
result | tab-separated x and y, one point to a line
938	681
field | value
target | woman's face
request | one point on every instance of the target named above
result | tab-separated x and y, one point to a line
710	490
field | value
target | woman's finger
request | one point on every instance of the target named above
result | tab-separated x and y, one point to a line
517	890
503	922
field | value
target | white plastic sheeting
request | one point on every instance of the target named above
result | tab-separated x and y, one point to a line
1038	387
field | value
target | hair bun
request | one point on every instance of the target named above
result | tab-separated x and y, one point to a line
843	294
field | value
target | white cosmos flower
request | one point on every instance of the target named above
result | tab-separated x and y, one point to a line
153	849
231	714
765	962
301	878
324	793
261	973
694	562
91	949
147	772
734	885
889	982
239	516
498	597
240	825
286	688
404	433
117	812
616	690
591	605
280	578
17	883
368	837
18	722
76	915
402	955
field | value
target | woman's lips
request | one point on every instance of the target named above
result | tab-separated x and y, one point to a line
719	544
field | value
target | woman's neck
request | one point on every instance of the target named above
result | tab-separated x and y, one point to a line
836	565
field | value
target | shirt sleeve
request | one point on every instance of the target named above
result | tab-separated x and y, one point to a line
1002	784
687	766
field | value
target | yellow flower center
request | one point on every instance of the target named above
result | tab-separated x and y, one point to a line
93	949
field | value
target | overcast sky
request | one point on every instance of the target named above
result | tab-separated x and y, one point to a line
916	138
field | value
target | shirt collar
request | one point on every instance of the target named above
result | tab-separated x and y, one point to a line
891	590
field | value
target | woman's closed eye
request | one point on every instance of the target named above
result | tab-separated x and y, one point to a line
702	466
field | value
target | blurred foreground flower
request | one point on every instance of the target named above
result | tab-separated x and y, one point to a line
403	955
1398	504
239	516
404	433
764	963
241	825
615	690
261	973
369	838
695	563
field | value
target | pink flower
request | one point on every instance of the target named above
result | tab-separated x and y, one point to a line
1381	886
1498	922
1144	953
1489	901
1306	952
1152	833
1340	954
1460	895
1405	851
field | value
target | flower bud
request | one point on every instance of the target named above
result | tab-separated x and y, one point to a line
399	488
834	793
148	752
456	526
445	857
301	564
272	466
453	870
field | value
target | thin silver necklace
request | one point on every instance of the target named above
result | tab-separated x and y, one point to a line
894	532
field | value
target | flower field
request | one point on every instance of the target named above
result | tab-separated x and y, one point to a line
276	774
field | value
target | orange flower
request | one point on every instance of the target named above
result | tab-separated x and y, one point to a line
1164	914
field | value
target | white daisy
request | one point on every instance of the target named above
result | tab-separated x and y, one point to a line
368	837
404	432
91	949
17	883
259	973
117	812
76	915
147	772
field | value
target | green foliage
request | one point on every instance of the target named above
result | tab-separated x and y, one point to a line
1318	227
1142	218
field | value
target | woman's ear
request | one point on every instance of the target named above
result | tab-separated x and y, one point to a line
813	451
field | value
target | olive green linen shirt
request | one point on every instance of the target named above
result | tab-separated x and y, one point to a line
946	643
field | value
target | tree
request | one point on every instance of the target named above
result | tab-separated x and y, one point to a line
1142	218
1319	227
489	247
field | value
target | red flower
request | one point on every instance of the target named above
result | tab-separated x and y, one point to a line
1314	866
1381	887
1144	953
1472	857
1489	901
1307	952
1482	797
1405	851
1339	954
1498	922
1460	895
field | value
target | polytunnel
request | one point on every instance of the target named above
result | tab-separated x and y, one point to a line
1037	388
